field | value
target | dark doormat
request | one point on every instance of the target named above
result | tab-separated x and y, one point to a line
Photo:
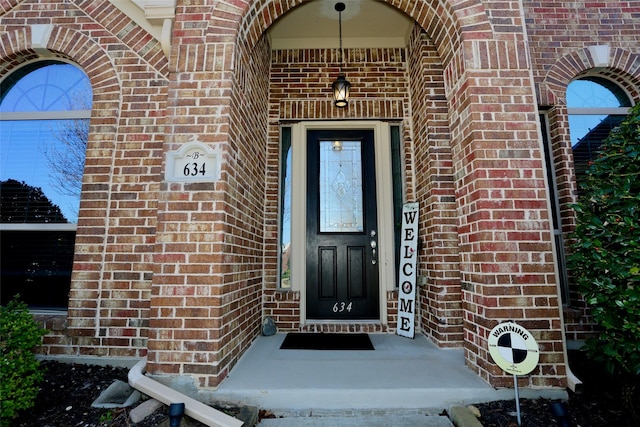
309	341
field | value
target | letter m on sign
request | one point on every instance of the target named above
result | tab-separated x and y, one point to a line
407	271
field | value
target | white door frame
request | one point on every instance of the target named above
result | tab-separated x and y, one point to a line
384	195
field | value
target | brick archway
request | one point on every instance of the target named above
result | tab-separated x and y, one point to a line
71	45
621	66
76	47
445	22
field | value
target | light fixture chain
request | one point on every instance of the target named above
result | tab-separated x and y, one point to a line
340	33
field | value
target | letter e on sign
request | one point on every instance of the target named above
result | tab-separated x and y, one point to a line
407	271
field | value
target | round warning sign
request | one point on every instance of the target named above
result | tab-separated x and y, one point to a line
513	348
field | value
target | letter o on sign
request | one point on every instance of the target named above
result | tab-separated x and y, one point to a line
513	348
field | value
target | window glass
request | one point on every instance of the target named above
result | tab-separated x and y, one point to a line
341	190
44	124
595	93
596	106
555	211
285	208
398	191
49	87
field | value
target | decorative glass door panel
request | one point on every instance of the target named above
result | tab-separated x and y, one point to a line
341	187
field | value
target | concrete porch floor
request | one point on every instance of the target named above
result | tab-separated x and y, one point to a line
400	374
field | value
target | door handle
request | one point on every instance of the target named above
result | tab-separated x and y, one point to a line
374	245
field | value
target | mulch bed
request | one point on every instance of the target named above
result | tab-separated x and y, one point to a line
66	395
68	390
600	404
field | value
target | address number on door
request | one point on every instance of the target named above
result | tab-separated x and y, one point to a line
342	306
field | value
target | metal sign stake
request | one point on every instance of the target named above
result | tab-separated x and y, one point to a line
514	349
515	386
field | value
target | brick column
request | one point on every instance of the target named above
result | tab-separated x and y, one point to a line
207	284
505	234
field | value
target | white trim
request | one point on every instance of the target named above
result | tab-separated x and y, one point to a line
155	16
623	111
46	115
38	226
384	195
40	34
600	54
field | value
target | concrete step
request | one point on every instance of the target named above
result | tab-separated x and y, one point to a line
395	420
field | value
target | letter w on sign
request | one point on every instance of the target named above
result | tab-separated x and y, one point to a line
407	271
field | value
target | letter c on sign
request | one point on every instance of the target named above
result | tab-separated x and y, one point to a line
409	267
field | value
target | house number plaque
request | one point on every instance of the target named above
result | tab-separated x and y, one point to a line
193	162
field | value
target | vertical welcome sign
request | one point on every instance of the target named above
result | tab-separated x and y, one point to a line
407	271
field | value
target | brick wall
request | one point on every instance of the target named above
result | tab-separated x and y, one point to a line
440	299
506	260
208	279
191	266
109	298
560	35
496	163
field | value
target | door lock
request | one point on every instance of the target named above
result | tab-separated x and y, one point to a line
374	245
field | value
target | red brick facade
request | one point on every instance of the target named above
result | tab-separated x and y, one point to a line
185	272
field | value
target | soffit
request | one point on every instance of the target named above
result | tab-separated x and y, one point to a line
365	23
149	14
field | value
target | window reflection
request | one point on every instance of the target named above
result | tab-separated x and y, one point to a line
594	111
44	131
44	126
285	209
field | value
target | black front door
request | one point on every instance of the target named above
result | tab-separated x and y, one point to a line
342	236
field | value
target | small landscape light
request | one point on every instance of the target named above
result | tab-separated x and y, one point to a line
560	413
176	411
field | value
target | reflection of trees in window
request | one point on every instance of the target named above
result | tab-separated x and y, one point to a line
21	203
45	110
596	106
66	152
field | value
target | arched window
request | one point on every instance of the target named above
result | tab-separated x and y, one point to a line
44	123
595	106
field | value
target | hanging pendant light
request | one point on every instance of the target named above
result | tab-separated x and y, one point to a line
341	85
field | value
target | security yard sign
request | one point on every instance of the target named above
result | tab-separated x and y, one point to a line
407	269
513	348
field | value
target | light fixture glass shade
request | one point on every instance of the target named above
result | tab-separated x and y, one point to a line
341	88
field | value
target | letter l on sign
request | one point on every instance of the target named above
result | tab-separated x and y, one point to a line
407	271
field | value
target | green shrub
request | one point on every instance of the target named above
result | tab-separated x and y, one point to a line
20	372
605	258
